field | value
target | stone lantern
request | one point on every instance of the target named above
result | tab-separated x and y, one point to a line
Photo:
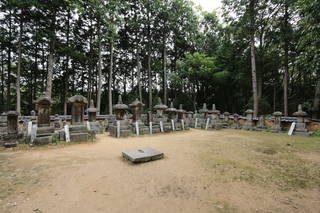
249	116
301	124
136	108
171	112
92	112
204	111
120	109
277	122
43	104
214	113
78	108
180	125
226	116
236	124
11	138
261	126
160	108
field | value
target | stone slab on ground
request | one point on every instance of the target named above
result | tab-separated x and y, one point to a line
144	154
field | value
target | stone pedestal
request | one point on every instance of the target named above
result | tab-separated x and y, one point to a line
277	122
301	124
170	125
215	122
11	139
226	120
121	127
78	129
248	125
94	125
44	131
136	109
236	124
261	124
180	123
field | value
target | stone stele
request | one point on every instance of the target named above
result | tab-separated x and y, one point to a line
142	155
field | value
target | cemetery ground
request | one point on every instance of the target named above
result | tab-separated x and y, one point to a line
202	171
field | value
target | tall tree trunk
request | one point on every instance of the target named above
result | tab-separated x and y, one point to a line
286	61
149	64
66	77
316	101
110	77
51	58
9	66
139	74
164	62
253	59
99	69
18	107
2	81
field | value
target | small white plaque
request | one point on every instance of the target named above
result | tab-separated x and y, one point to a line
196	123
118	129
161	126
150	128
207	123
88	125
182	124
172	124
34	132
29	130
292	127
67	133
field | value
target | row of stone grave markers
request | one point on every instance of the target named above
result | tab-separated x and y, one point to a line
210	119
165	120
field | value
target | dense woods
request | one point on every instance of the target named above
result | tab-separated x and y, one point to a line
263	55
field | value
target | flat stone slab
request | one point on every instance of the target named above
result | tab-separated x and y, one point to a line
144	154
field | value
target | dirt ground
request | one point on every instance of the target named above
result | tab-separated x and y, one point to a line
203	171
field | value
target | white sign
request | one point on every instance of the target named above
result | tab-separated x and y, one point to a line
196	123
67	133
118	129
182	124
34	132
150	128
137	128
172	124
293	126
88	125
29	130
161	126
207	124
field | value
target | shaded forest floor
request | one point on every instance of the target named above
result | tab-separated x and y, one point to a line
203	171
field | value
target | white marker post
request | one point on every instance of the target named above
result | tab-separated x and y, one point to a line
34	132
88	125
150	128
137	128
182	124
67	133
292	127
172	124
207	123
118	129
196	123
161	126
29	128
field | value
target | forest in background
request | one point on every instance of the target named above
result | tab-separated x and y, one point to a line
263	55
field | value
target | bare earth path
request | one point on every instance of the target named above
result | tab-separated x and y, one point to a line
203	171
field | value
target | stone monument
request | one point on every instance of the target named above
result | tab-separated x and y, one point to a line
94	126
172	117
160	122
248	125
11	139
277	122
121	126
261	124
215	118
236	124
300	128
138	126
202	120
78	130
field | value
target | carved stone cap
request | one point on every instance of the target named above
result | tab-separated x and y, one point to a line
160	105
120	105
92	108
136	103
204	108
214	110
190	112
236	115
43	99
226	113
300	112
249	111
277	113
12	113
180	109
171	109
78	99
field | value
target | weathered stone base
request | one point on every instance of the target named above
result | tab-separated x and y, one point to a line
79	137
45	140
142	155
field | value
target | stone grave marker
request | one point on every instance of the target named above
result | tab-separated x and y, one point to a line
142	155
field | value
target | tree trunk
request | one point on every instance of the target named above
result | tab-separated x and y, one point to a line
9	66
164	61
66	77
286	61
99	70
2	81
316	101
110	78
253	59
139	75
51	59
18	107
149	64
